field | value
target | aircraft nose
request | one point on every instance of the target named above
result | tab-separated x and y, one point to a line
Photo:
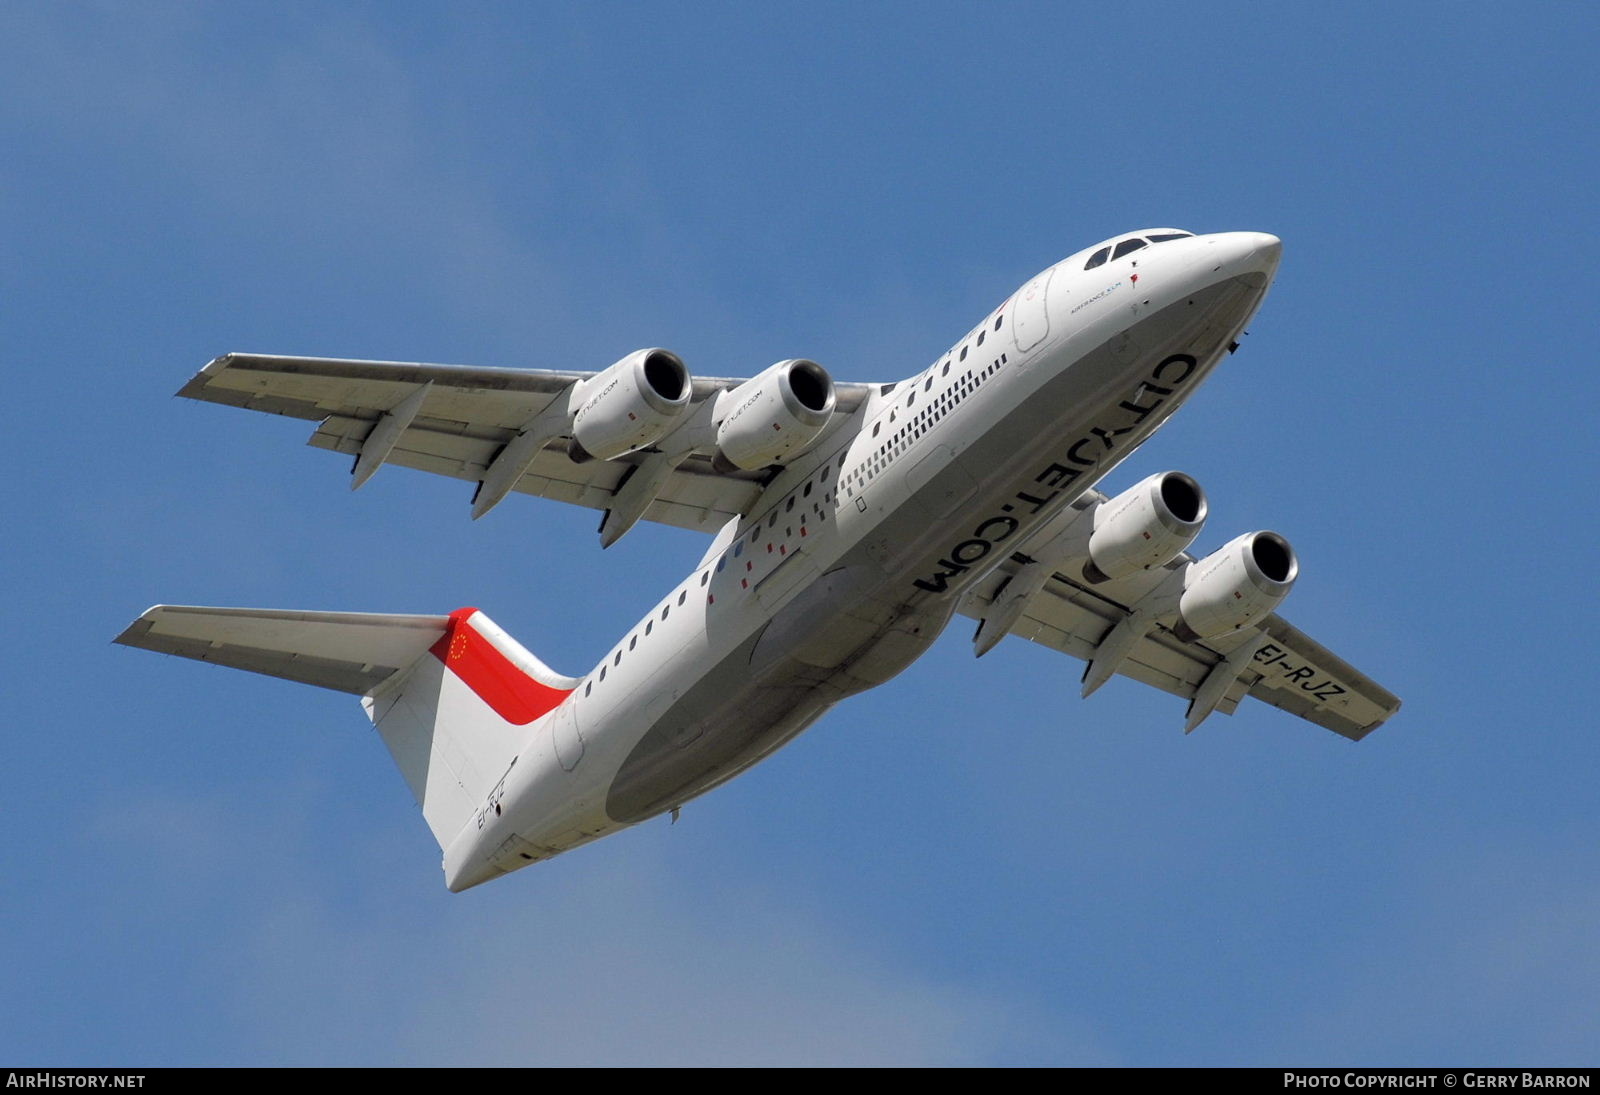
1264	250
1240	253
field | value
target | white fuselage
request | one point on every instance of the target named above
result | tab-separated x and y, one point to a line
860	550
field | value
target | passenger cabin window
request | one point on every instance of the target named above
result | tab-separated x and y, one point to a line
1127	247
1098	258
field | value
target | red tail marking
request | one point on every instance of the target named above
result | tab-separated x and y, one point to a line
514	696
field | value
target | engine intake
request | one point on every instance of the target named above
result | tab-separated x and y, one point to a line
1236	585
629	406
774	415
1147	525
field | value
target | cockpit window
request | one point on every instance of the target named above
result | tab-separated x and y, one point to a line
1098	258
1127	247
1165	236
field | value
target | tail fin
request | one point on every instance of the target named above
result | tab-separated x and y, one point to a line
446	693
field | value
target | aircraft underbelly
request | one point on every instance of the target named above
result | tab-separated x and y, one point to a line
836	638
868	616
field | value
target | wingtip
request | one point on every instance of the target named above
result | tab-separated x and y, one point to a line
197	383
138	628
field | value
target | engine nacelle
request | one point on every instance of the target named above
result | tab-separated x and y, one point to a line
629	406
1145	526
1236	585
774	415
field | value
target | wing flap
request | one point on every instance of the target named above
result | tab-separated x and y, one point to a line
1073	621
696	497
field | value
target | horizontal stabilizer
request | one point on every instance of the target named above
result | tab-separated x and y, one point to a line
451	696
346	651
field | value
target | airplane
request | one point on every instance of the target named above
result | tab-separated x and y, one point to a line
851	523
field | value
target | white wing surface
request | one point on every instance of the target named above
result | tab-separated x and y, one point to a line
1272	660
456	420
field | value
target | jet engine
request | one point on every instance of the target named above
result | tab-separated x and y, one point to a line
1145	526
1236	585
629	406
774	415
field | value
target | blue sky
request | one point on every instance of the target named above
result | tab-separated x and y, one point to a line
969	865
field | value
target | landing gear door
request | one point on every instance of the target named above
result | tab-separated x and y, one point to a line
1030	319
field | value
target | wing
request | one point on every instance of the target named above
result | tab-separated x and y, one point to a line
455	420
1273	661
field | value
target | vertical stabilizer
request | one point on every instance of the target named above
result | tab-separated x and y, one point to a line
454	721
